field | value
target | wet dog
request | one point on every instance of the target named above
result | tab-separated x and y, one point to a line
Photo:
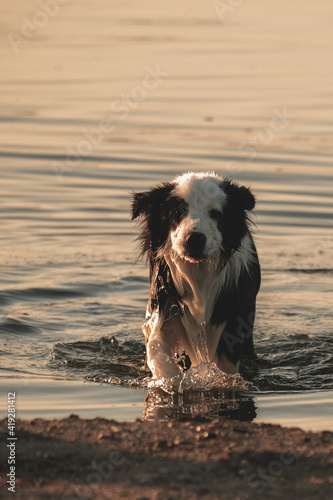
204	273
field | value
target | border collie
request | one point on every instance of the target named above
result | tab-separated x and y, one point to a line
204	273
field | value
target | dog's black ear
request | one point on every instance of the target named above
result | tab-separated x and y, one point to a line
140	204
240	196
148	206
148	202
246	199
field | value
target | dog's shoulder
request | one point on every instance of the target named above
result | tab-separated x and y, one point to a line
238	291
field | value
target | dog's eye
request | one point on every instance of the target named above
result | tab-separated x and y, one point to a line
215	214
181	209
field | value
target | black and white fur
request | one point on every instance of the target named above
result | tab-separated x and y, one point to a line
204	272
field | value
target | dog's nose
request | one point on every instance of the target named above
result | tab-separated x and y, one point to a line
195	243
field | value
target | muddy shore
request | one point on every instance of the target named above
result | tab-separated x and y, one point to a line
220	459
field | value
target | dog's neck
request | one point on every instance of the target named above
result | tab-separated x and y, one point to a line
197	284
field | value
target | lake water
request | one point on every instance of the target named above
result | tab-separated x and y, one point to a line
106	97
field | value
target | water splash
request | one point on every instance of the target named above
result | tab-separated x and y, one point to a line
203	377
198	340
200	345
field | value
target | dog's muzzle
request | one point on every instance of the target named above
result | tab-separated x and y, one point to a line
195	245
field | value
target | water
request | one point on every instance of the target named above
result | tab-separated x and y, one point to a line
249	96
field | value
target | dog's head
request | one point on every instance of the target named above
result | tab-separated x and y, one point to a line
196	217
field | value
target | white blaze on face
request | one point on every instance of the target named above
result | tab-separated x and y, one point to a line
202	193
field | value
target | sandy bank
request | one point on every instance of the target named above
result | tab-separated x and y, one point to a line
220	459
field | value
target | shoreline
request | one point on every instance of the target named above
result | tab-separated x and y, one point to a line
75	458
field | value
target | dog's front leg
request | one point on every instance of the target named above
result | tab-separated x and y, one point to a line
160	348
160	357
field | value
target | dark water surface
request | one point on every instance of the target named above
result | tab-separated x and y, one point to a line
85	120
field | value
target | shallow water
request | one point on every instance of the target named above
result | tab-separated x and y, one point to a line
249	96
